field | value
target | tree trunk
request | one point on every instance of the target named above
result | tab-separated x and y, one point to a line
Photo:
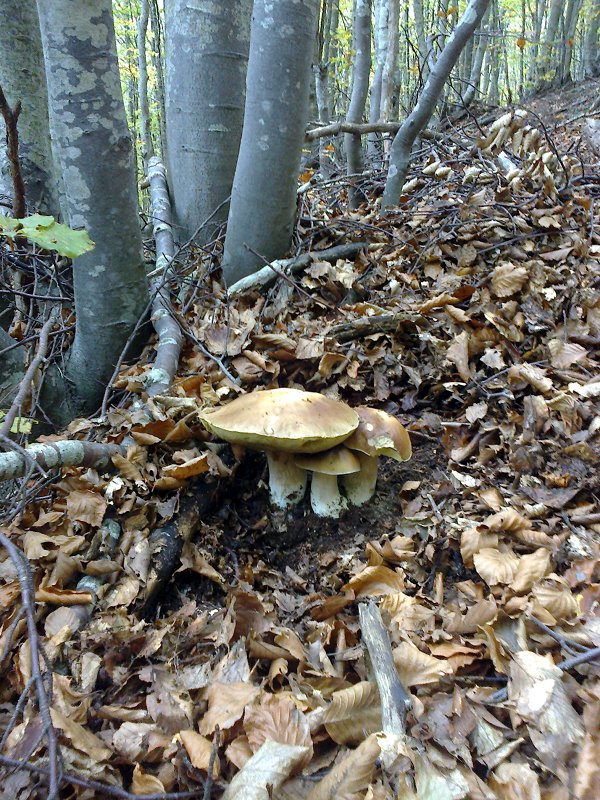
475	77
88	125
360	86
206	59
391	62
533	69
263	200
156	52
421	114
549	49
23	79
380	39
145	129
417	6
591	54
571	17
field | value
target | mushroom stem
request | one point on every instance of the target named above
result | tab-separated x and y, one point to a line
287	482
360	486
325	497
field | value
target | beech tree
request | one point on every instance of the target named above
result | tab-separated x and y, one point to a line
423	111
263	199
23	80
361	44
206	55
93	147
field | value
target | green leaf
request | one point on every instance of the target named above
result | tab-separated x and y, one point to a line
48	233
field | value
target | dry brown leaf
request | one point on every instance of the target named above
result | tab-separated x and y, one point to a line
196	466
226	703
264	773
351	775
86	506
458	354
531	568
417	668
145	783
276	718
373	581
513	781
79	737
564	354
199	750
507	279
556	600
534	376
56	596
474	540
496	567
587	774
353	713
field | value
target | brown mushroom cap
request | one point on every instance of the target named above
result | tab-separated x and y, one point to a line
380	434
339	461
288	420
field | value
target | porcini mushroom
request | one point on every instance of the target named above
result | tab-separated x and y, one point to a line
325	497
282	423
378	434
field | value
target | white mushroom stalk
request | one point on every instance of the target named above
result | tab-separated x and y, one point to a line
287	482
360	486
325	497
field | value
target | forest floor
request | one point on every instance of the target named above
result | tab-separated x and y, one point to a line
473	315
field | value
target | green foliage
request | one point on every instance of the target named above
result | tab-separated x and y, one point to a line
48	233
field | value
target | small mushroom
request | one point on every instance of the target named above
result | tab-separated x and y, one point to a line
282	423
325	497
378	434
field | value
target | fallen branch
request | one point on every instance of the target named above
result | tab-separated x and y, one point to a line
290	266
395	700
170	338
381	323
66	453
583	658
11	117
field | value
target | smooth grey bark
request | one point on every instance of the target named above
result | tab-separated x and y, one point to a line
156	52
206	58
380	39
263	199
549	47
22	79
571	17
321	71
88	125
391	61
474	78
591	52
533	67
361	44
417	6
145	129
421	114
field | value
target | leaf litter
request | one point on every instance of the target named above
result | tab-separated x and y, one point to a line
473	315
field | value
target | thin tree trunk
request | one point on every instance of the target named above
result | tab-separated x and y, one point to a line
591	53
157	62
145	129
263	199
391	62
88	125
421	39
322	89
533	70
22	78
549	49
380	38
361	45
421	114
475	77
207	54
571	17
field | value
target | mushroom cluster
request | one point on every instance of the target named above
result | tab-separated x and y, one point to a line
302	432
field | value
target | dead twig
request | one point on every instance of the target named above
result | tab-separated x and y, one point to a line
11	117
395	700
